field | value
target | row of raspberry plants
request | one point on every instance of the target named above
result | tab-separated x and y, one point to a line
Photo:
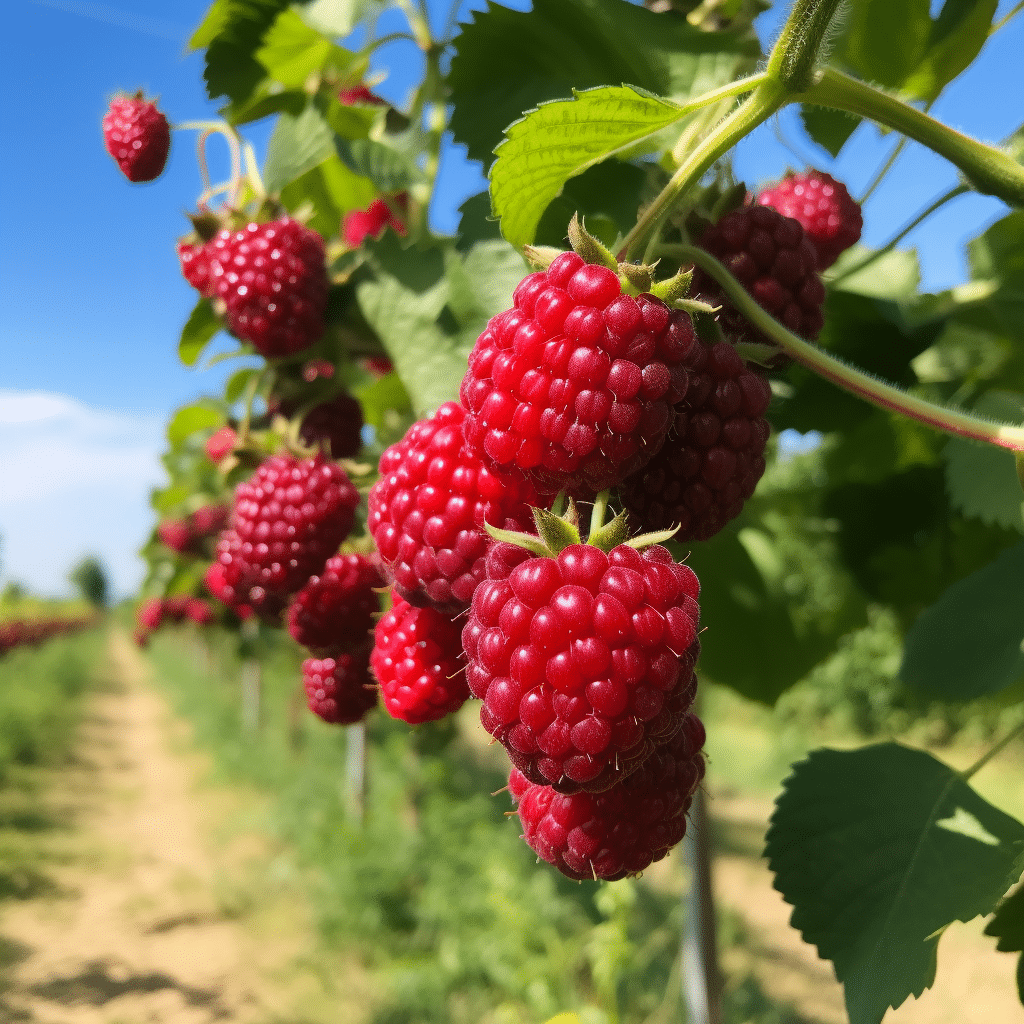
640	370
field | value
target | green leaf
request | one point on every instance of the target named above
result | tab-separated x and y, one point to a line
298	144
191	419
292	51
237	383
200	328
879	850
971	641
561	139
381	398
482	281
1008	923
403	304
896	275
981	478
829	128
956	38
339	17
333	190
212	25
510	61
267	99
390	169
885	40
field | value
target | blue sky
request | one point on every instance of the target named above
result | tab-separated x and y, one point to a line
94	300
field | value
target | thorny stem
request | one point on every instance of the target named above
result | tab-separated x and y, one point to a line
959	190
993	751
857	382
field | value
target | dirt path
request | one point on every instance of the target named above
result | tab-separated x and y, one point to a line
137	931
974	983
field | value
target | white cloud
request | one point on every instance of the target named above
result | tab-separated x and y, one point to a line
75	481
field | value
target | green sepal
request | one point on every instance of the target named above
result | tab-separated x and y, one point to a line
648	540
765	355
692	306
611	535
591	249
540	257
555	531
521	540
672	291
638	277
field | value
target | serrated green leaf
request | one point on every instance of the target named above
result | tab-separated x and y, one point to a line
956	38
561	139
482	281
237	383
971	641
191	419
403	304
390	169
199	330
884	41
981	478
212	25
879	850
510	61
232	34
381	397
266	100
829	128
298	144
339	17
292	51
333	191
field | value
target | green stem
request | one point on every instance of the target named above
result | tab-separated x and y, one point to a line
959	190
988	169
885	396
793	58
997	749
1006	19
598	512
767	98
883	171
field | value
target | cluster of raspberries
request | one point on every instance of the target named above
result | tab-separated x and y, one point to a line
582	653
190	535
158	611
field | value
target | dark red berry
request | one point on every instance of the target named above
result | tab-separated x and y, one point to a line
427	511
176	534
584	662
623	830
338	422
824	208
714	455
574	385
360	94
772	257
339	689
288	519
198	611
335	610
209	519
137	136
272	280
358	225
417	659
220	444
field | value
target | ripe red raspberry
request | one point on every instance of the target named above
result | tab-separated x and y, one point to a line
358	225
417	659
272	279
339	689
583	661
195	267
338	421
137	136
574	385
379	365
334	611
427	510
626	828
288	519
198	611
220	444
360	94
151	613
215	581
209	519
824	208
176	534
772	257
714	455
176	608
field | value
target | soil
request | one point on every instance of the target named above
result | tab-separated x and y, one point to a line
142	918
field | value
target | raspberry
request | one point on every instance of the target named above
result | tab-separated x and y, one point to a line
272	279
714	455
379	365
288	519
215	581
220	444
626	828
137	136
209	519
427	510
151	613
574	385
176	534
339	689
583	661
358	225
176	608
195	267
360	94
772	257
417	659
824	208
198	611
339	422
335	609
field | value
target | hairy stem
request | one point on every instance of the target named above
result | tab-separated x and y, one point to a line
878	392
793	58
